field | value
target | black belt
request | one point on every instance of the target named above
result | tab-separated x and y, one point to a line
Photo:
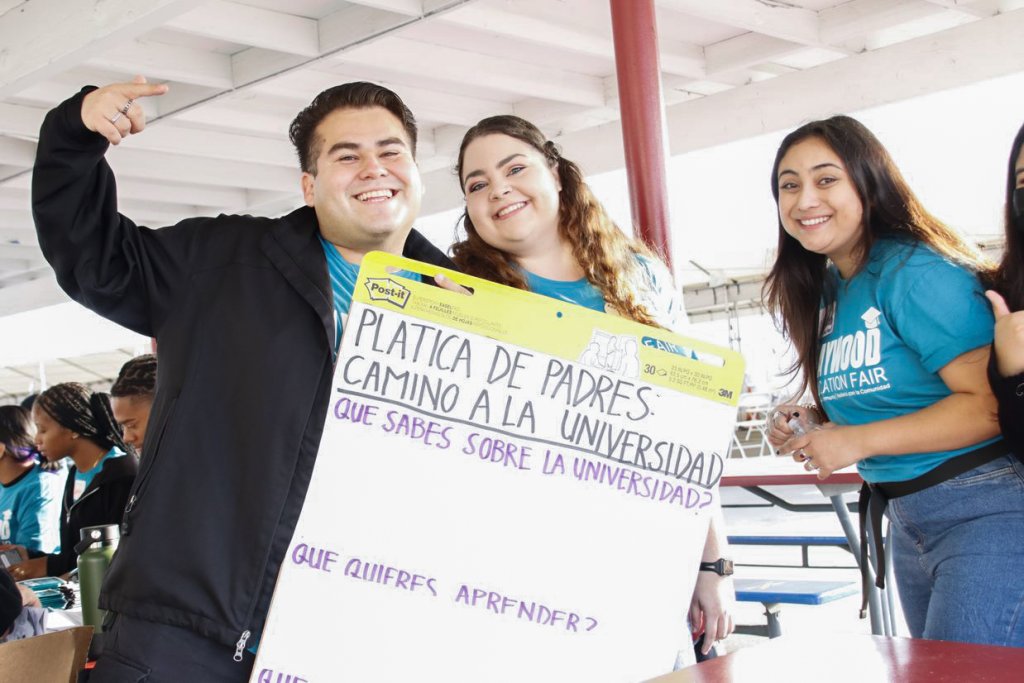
874	498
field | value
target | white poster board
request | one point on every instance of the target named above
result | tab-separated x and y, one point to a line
509	488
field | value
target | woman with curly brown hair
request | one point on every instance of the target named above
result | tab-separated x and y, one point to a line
532	223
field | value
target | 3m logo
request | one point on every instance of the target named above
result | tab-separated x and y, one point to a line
386	289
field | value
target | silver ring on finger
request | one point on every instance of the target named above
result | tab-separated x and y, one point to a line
123	111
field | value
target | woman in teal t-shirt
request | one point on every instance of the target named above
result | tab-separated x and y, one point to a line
892	330
532	223
29	496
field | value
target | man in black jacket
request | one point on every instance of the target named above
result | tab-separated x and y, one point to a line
247	319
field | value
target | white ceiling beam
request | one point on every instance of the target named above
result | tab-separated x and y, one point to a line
410	8
222	116
426	104
745	51
269	203
158	191
677	57
27	296
357	24
21	121
848	24
184	169
253	26
18	234
162	62
531	30
15	152
16	200
256	64
494	73
979	8
29	253
38	45
15	212
347	28
775	19
17	219
987	48
194	141
26	273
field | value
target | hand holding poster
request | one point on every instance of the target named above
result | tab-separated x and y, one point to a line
508	488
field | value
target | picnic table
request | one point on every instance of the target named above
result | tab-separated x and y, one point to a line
858	659
758	475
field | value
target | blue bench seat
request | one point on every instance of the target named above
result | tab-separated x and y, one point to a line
771	593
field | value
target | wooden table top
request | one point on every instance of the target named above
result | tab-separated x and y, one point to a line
864	659
772	470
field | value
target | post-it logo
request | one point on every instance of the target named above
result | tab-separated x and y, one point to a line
386	289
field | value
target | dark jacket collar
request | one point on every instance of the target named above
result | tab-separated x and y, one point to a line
293	247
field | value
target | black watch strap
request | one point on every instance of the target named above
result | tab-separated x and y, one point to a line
721	566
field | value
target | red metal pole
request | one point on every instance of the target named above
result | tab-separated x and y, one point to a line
635	31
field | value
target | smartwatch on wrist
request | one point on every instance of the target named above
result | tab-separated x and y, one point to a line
721	566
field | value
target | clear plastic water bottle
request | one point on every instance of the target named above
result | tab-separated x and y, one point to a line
802	422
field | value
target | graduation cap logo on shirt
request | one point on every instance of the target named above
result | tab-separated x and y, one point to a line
871	318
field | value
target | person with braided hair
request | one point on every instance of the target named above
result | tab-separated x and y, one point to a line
131	398
532	223
29	496
72	421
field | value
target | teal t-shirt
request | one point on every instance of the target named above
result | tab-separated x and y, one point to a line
343	283
894	325
652	286
579	292
83	479
30	510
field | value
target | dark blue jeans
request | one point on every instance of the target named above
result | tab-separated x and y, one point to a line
958	554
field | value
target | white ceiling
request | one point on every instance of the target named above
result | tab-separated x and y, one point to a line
240	70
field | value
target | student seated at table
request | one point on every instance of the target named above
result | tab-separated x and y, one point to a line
532	223
72	421
21	615
1006	368
29	496
892	330
131	398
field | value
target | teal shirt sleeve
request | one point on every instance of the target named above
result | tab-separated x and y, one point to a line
30	518
943	312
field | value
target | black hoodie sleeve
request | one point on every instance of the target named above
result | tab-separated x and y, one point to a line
1009	392
101	259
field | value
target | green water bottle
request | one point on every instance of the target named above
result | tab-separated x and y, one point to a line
95	551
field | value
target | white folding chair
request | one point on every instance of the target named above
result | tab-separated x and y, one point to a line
751	413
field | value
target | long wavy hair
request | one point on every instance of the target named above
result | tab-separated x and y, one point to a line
798	285
1009	277
606	255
